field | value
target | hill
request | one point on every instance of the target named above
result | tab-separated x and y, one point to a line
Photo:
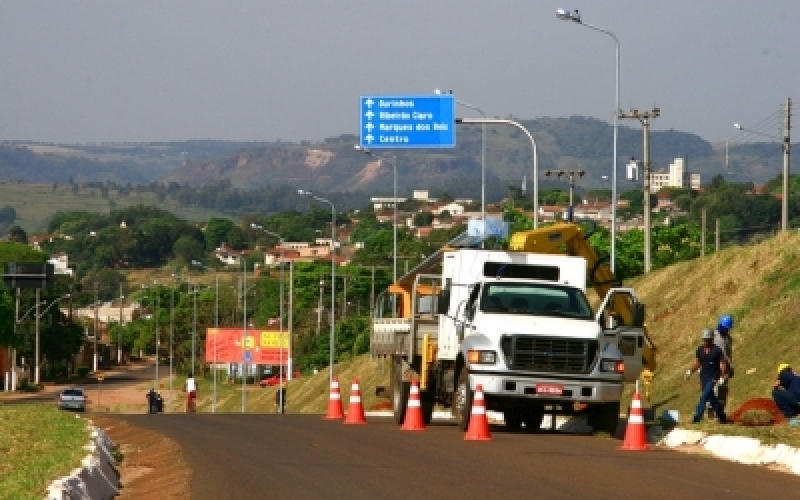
333	165
759	285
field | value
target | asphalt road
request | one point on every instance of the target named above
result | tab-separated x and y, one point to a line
301	456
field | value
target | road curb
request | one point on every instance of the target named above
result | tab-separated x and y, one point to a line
741	449
96	478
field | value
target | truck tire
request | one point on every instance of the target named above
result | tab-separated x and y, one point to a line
462	400
604	417
400	390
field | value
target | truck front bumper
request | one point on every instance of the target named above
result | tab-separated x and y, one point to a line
547	387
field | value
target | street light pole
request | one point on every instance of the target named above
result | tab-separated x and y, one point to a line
483	156
490	121
280	314
216	327
309	194
565	15
394	205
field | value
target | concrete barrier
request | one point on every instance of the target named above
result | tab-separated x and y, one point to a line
96	478
744	450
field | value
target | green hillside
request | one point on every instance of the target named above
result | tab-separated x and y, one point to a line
35	204
759	285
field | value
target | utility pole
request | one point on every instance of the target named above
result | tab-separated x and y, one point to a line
570	174
644	117
786	146
121	329
96	325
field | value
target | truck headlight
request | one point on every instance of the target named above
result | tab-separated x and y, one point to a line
482	357
612	365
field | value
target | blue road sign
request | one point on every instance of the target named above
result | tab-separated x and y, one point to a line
248	357
408	121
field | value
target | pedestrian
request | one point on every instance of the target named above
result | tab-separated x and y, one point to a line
152	400
191	393
713	372
723	339
786	393
280	399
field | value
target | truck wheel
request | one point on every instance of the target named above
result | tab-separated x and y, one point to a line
462	400
400	390
604	417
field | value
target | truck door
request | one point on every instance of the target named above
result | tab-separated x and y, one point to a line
615	311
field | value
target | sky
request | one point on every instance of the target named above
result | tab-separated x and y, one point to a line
137	71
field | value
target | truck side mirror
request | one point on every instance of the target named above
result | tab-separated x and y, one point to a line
443	302
638	314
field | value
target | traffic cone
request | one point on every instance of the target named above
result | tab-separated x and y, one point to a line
334	402
478	429
635	433
355	413
413	420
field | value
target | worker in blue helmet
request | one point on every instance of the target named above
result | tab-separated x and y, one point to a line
723	339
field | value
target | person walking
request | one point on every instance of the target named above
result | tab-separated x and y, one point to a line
191	393
723	340
786	393
713	368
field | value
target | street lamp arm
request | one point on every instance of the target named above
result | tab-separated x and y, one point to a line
756	132
52	304
535	156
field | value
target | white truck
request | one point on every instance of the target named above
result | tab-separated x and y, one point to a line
517	323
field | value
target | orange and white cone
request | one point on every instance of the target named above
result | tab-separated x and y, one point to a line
478	429
635	433
355	413
413	420
334	402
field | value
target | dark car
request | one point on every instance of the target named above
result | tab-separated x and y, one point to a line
72	398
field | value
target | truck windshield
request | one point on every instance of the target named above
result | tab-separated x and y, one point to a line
535	299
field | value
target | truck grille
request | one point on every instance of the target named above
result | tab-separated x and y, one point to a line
551	354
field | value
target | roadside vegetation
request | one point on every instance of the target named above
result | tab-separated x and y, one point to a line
38	444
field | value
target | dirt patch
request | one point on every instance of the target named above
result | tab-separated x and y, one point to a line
153	465
763	404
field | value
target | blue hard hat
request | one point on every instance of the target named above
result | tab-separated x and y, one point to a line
725	321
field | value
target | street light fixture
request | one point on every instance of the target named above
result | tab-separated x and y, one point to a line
216	326
394	205
309	194
566	15
38	344
786	165
280	335
483	156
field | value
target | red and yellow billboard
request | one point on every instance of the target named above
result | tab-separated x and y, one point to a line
261	347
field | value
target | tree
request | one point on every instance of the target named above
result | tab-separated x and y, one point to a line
423	219
17	234
187	249
6	318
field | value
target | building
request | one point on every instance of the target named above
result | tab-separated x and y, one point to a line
60	263
677	176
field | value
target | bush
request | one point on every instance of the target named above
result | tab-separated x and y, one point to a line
82	371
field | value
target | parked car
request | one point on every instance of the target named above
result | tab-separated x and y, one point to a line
72	398
275	379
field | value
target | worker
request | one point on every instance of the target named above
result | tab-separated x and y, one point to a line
713	372
191	393
723	339
786	393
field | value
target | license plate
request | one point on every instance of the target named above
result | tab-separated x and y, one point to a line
550	389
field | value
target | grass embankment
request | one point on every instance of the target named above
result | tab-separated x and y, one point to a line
36	203
38	444
760	286
308	394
